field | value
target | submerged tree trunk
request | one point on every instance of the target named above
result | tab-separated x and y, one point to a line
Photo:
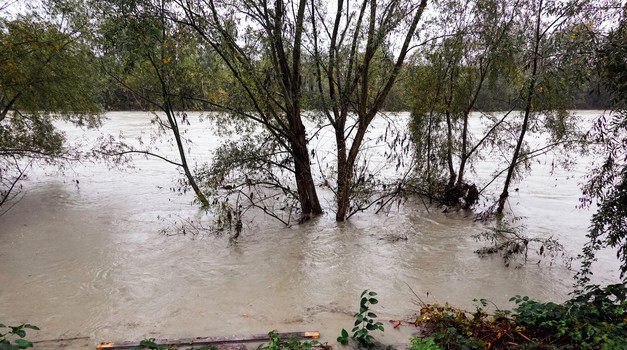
528	106
449	151
345	176
464	152
179	145
306	188
307	195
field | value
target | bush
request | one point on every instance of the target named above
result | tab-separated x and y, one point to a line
596	318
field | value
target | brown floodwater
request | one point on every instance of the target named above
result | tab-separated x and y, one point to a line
81	255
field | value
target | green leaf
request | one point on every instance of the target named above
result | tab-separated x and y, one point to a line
30	326
372	314
20	332
23	344
344	333
343	340
149	343
363	293
373	301
372	294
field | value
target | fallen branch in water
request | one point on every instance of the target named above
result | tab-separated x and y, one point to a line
210	340
59	340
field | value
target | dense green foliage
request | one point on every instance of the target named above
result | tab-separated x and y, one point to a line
423	344
607	182
46	75
593	319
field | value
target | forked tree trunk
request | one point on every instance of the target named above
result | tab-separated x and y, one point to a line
345	175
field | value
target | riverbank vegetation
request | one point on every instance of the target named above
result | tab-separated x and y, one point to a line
593	319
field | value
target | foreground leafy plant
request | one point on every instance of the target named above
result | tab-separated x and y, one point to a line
593	319
364	322
20	332
423	344
276	343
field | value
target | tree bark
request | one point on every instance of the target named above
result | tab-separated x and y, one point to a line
528	106
343	176
188	174
5	110
306	188
449	151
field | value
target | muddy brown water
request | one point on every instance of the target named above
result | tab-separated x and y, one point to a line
86	259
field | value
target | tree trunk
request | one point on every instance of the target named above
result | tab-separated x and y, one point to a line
449	152
188	174
343	176
347	163
528	105
510	171
429	154
464	155
5	109
306	188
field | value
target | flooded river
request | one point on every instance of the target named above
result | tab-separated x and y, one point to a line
81	256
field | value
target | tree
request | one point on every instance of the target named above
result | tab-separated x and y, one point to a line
161	63
531	57
607	182
448	76
556	63
358	50
264	55
46	75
